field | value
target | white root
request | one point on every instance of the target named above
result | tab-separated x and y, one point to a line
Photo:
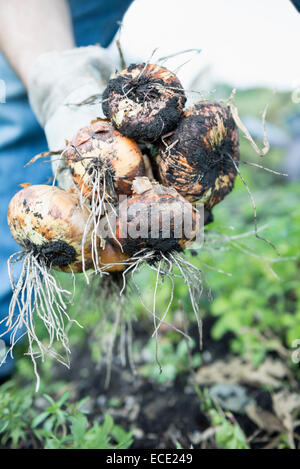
113	310
191	275
97	194
37	295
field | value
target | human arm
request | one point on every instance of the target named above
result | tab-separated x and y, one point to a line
29	28
55	73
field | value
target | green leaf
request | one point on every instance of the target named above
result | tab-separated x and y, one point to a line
39	419
79	427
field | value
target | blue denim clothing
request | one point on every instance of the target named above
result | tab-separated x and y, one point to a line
21	137
296	4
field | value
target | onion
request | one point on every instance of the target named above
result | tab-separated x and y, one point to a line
48	223
153	227
153	215
103	164
199	158
144	101
103	160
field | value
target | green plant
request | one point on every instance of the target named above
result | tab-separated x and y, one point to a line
105	436
15	416
61	425
228	434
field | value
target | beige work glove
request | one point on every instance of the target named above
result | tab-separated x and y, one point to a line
57	82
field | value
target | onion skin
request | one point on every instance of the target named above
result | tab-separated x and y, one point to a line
163	200
111	258
144	101
194	159
49	222
100	146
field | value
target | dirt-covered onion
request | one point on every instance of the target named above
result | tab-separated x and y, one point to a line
153	227
152	219
103	161
103	164
144	101
48	223
198	159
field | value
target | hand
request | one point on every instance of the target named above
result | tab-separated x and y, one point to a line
58	82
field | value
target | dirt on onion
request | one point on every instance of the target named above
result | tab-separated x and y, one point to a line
144	101
198	159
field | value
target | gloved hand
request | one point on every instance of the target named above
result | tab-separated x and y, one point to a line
57	81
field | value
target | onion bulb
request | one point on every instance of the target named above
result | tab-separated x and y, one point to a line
103	164
153	227
152	219
199	158
102	160
48	223
144	101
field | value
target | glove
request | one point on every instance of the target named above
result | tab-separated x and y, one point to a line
57	82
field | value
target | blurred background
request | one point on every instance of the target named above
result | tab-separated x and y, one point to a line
242	390
243	44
